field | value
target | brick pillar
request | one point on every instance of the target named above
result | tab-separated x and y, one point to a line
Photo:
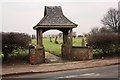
40	43
37	52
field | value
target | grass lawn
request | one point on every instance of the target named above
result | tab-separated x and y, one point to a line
1	55
56	48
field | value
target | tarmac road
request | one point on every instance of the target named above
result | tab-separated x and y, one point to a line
99	72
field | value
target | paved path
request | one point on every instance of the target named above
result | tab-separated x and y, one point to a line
52	58
53	67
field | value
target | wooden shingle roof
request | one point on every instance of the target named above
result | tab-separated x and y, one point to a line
54	18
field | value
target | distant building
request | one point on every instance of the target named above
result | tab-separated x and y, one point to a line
80	36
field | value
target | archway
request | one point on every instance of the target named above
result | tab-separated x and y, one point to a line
67	41
52	41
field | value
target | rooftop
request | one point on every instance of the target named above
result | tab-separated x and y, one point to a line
54	18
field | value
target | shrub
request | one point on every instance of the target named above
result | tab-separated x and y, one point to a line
14	41
108	42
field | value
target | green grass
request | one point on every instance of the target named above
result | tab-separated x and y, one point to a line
77	41
56	48
19	52
1	55
52	47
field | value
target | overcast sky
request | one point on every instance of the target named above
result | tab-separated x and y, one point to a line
22	16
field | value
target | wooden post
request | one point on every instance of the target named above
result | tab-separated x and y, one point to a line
70	36
65	37
39	37
66	53
64	46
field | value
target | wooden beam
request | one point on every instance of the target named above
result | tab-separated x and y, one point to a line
39	37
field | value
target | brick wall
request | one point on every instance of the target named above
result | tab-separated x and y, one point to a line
82	53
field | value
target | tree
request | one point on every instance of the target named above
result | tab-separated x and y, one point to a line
104	30
112	20
94	30
106	38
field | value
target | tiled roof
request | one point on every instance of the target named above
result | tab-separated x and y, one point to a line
53	16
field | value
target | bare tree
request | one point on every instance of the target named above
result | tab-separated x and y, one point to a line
94	30
112	20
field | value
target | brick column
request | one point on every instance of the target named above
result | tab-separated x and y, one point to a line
37	52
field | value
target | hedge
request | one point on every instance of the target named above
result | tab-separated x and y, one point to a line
108	42
14	41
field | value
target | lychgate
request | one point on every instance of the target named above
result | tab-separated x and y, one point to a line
54	19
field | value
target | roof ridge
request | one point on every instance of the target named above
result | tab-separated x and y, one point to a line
53	16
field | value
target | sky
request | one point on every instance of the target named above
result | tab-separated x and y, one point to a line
23	15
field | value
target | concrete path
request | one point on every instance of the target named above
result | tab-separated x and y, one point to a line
50	58
54	67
